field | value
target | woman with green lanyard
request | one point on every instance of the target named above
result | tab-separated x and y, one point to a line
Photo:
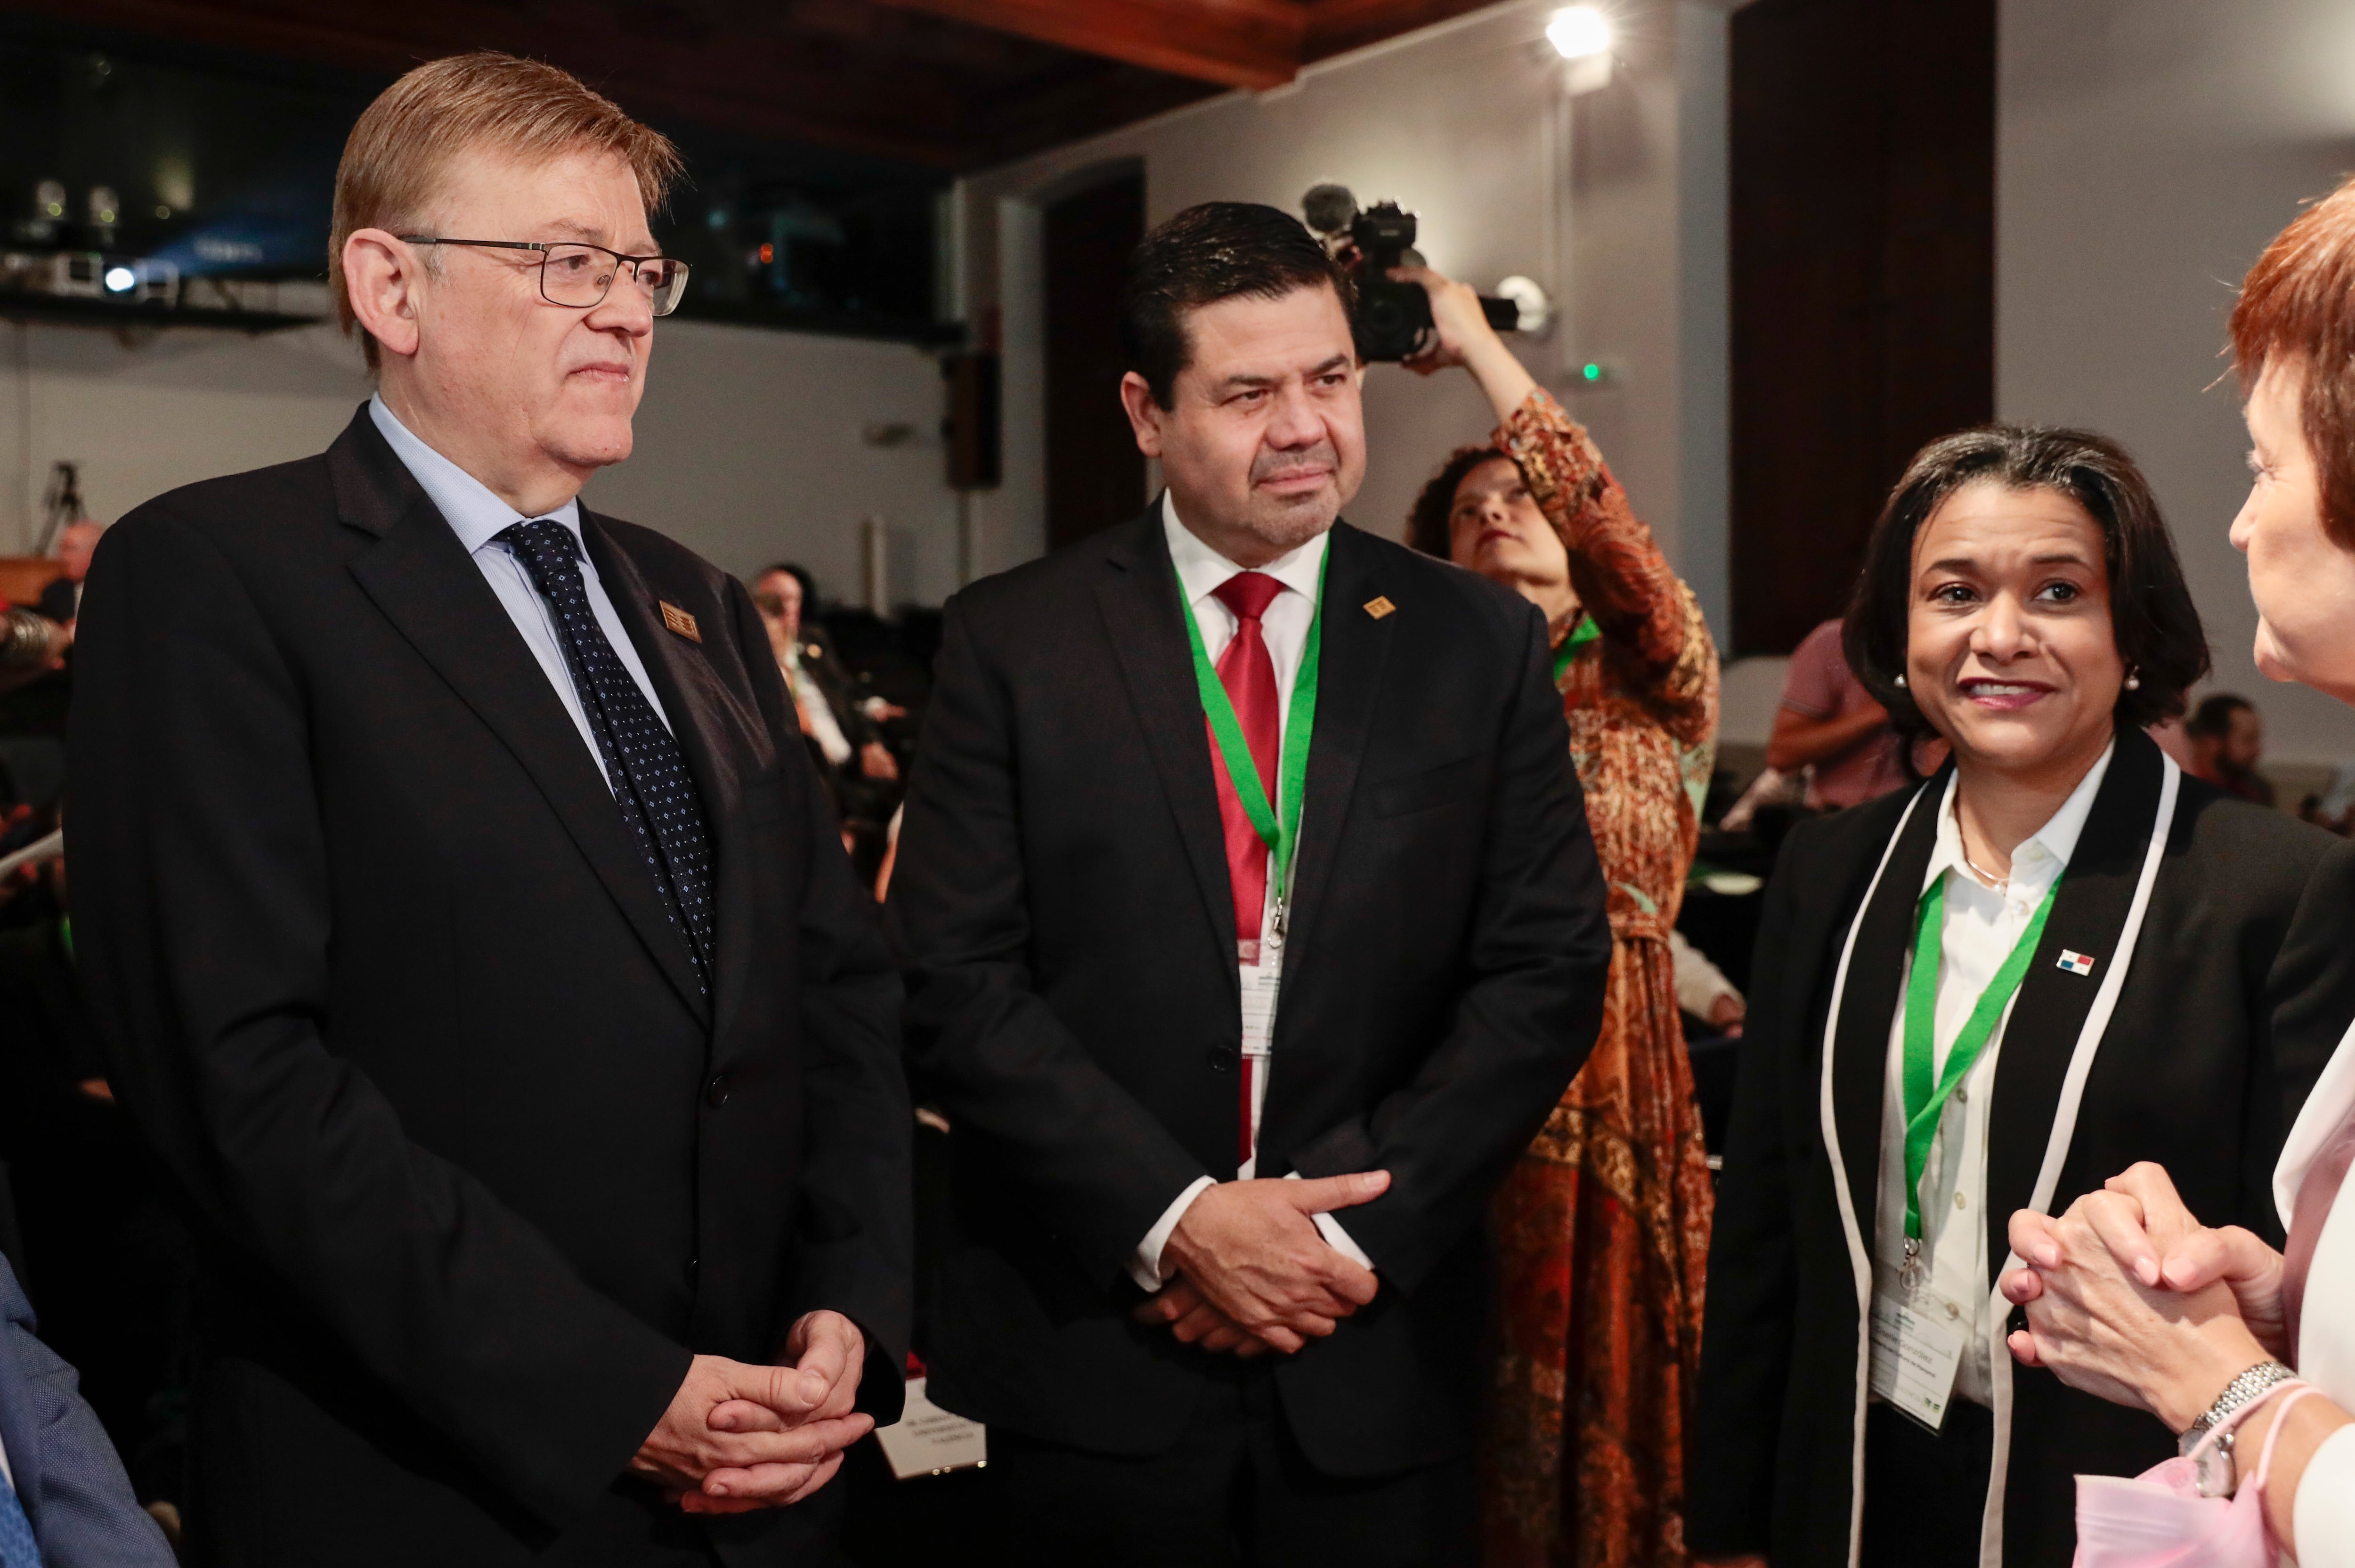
1601	1226
2056	957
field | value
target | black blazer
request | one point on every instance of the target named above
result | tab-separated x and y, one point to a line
386	985
1064	898
2238	987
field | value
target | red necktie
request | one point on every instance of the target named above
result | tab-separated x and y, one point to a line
1248	675
2324	1182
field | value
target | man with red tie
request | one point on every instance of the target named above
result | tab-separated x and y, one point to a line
1254	929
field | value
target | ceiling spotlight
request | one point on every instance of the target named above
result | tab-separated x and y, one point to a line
120	278
1578	31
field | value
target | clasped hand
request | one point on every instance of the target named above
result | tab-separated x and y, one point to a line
738	1437
2128	1296
1253	1274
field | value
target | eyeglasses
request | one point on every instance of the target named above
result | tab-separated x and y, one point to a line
580	276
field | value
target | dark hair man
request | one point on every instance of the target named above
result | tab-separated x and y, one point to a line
1243	847
468	930
2228	740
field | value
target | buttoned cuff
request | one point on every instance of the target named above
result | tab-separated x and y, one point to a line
1145	1264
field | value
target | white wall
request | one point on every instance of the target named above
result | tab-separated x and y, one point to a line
2147	150
1465	123
749	442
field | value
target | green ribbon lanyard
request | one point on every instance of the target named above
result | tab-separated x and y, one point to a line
1585	632
1925	1103
1278	829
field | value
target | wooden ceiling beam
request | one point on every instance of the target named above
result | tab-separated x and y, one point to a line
1336	26
1234	43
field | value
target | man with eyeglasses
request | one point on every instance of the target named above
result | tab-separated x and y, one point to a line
469	931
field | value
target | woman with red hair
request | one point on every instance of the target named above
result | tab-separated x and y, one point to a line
2128	1295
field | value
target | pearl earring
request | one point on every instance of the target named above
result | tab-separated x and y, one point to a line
1900	680
2134	682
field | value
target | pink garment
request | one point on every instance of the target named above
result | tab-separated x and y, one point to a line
2159	1520
1820	685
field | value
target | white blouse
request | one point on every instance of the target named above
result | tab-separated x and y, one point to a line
2324	1509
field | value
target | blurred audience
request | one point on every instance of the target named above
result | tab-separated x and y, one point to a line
2228	740
61	599
842	726
1830	722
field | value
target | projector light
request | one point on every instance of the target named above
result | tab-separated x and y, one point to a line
119	279
1578	31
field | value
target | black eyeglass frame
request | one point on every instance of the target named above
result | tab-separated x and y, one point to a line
544	247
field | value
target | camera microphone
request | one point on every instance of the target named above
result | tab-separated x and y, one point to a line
1329	209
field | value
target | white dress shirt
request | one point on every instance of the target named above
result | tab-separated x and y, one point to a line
824	727
1979	928
477	517
1283	625
2324	1508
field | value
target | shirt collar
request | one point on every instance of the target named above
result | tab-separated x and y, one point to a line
2043	854
472	512
1200	568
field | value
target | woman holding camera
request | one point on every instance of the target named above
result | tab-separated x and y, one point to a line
1601	1226
2056	957
2128	1295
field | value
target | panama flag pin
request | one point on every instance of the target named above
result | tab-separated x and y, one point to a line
2077	963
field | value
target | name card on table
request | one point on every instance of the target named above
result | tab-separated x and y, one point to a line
929	1441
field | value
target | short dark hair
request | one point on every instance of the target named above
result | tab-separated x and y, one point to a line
2213	719
1216	251
2152	617
800	574
1426	523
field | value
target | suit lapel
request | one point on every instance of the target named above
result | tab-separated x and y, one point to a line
708	722
2041	1038
1354	647
421	578
1142	618
1859	1068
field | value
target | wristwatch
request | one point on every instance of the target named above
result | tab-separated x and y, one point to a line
2214	1467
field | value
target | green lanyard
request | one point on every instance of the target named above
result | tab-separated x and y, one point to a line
1280	833
1925	1103
1585	632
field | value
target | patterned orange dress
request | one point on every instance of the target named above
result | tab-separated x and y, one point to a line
1601	1228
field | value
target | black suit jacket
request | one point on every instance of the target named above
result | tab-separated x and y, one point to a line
2239	986
1063	899
385	984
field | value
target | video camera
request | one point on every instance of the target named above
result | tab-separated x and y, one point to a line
1392	319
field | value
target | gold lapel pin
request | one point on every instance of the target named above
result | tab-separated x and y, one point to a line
679	621
1379	607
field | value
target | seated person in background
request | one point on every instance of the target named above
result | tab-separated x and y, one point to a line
64	1499
1702	989
61	599
2054	958
1827	721
2228	740
841	727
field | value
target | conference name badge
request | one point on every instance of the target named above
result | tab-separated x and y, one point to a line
1914	1360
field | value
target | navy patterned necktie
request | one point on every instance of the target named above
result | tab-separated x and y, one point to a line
19	1549
642	762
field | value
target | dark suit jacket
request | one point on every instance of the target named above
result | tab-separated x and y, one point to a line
57	601
2239	986
67	1474
1064	898
385	985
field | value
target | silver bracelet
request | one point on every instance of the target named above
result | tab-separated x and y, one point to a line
2214	1479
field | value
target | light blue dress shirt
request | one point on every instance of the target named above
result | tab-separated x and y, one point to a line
477	517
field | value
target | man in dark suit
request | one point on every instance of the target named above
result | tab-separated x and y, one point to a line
468	931
64	1499
1183	1355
